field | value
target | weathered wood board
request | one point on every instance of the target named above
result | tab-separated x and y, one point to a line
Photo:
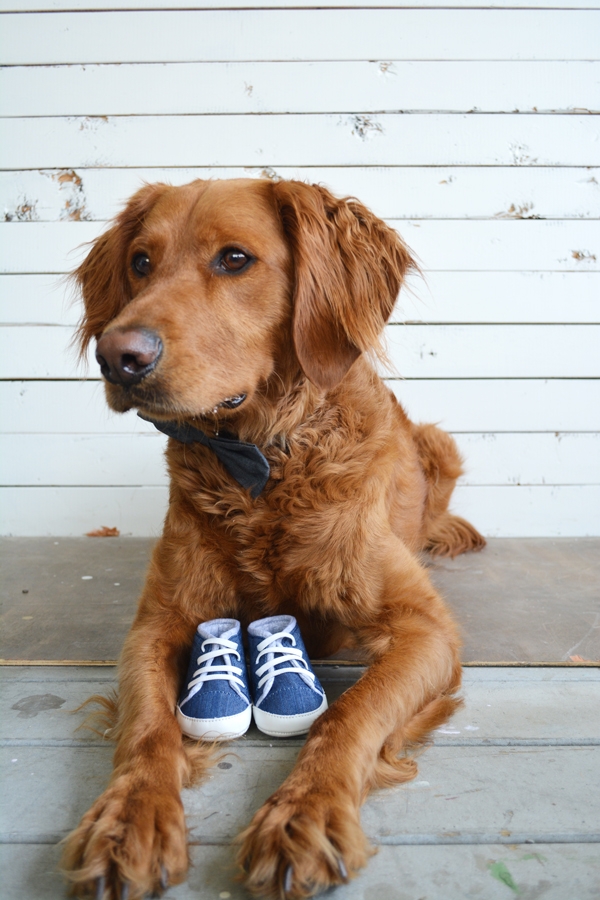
522	601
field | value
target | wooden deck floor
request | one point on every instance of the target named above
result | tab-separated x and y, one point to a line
506	802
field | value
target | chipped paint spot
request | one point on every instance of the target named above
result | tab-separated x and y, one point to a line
583	256
25	211
518	212
499	871
364	127
520	155
270	173
387	68
71	185
67	176
447	180
248	88
92	123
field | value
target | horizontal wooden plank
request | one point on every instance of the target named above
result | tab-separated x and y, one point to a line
463	246
529	511
118	459
546	789
492	351
499	297
458	405
500	705
498	511
529	459
378	34
37	300
102	459
415	351
43	351
514	405
460	297
411	192
475	868
389	139
481	783
138	511
300	87
73	407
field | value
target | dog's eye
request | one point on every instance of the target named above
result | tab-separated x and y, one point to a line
141	264
234	260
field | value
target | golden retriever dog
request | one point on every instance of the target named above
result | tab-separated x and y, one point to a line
253	309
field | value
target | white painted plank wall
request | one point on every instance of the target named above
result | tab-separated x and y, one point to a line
471	130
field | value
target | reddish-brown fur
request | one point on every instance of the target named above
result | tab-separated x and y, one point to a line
356	491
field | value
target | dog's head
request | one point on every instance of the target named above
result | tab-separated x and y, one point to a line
199	295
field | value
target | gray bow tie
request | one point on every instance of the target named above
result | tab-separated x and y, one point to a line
244	462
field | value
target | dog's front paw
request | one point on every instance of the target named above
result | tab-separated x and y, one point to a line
300	843
131	842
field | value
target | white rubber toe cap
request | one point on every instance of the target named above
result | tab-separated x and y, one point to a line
220	729
286	726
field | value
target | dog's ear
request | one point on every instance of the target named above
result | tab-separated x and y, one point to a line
102	276
349	266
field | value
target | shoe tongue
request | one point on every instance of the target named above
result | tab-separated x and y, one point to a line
275	625
221	628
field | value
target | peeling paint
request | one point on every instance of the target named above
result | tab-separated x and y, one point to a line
248	88
583	256
364	127
92	123
387	68
25	211
270	173
67	176
520	155
518	212
71	186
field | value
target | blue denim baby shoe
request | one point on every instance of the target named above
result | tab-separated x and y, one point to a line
287	694
215	701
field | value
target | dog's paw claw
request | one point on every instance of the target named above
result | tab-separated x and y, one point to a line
342	869
100	887
164	878
288	879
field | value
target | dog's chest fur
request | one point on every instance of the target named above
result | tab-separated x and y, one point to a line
309	531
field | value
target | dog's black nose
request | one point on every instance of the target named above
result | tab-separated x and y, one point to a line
127	356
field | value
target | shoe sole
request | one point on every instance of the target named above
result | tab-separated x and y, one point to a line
225	728
286	726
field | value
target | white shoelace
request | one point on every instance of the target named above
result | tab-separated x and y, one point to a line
281	654
223	672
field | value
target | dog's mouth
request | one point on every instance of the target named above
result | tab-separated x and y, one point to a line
232	402
154	400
